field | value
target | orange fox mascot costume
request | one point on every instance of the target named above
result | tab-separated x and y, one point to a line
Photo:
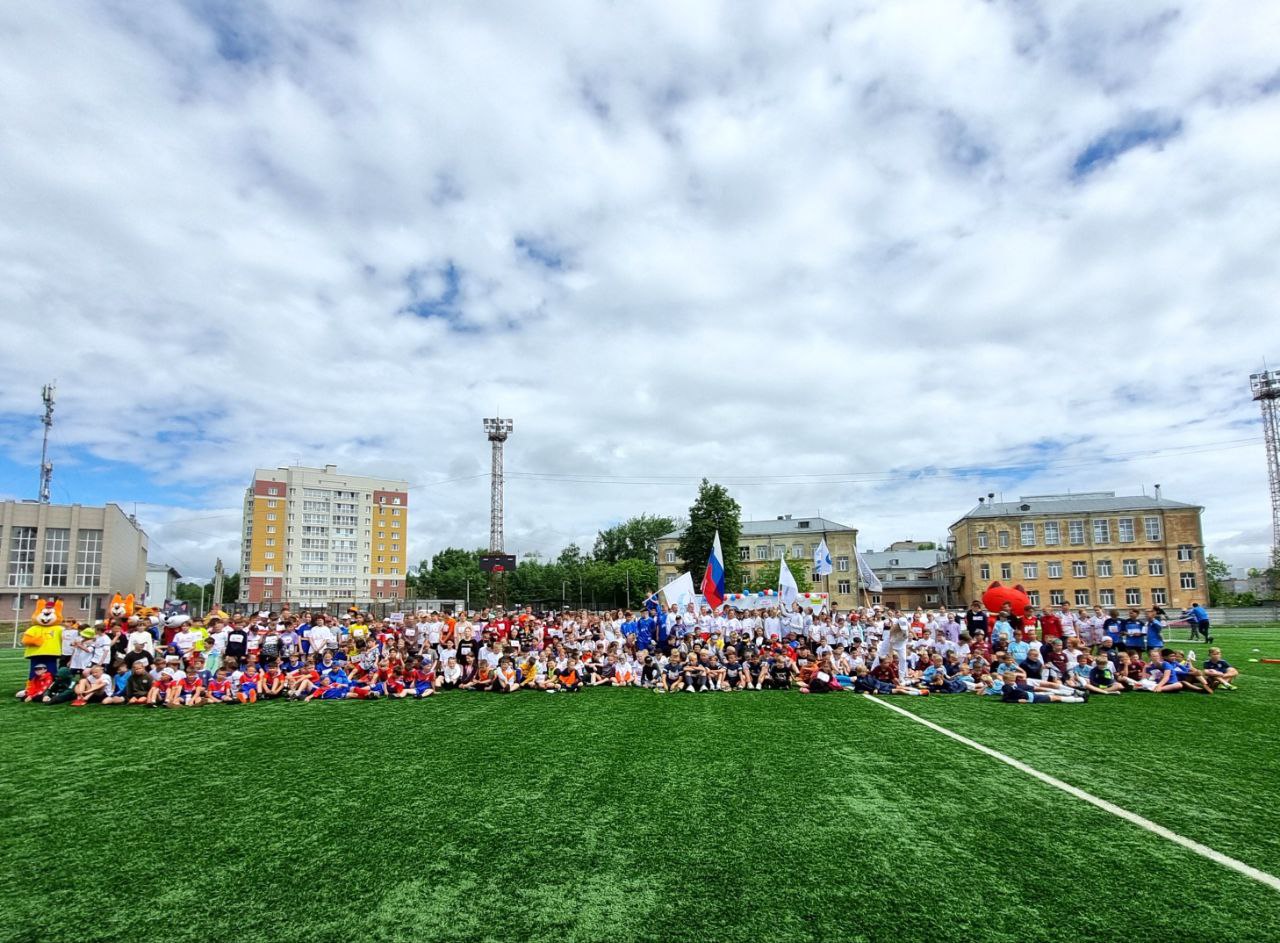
119	611
42	642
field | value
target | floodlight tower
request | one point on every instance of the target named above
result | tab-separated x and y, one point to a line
46	466
1265	387
497	430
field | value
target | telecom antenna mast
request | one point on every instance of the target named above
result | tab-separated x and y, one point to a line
1265	387
497	430
46	466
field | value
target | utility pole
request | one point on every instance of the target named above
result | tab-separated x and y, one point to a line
217	584
1265	387
46	466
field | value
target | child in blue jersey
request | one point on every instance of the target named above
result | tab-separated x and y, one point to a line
1014	691
864	683
1220	673
1133	632
1155	630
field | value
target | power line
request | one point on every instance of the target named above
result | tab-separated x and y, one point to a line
923	473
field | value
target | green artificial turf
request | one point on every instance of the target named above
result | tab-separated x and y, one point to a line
623	815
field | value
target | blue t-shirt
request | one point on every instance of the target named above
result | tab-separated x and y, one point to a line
1019	651
1154	638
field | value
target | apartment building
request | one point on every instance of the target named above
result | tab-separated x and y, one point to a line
1088	549
78	553
780	538
313	536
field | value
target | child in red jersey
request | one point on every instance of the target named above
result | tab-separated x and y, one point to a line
191	689
219	688
272	683
36	686
247	692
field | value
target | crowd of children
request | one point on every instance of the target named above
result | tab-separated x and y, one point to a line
1048	656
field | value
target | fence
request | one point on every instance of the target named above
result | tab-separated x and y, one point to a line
1251	615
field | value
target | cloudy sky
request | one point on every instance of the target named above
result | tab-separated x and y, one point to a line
864	259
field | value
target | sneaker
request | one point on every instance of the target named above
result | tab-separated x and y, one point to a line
79	702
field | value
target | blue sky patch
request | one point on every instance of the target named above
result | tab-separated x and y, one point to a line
1142	130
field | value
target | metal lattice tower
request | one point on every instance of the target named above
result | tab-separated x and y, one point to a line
46	466
1265	387
497	430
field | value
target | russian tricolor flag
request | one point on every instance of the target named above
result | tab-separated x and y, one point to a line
713	579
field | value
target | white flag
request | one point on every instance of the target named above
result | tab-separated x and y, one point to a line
822	559
679	592
869	580
787	588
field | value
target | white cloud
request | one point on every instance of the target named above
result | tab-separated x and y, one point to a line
759	240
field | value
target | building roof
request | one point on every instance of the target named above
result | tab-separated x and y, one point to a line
906	559
780	526
1092	502
158	567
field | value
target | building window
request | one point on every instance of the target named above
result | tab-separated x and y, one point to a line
1106	597
1052	533
1033	597
744	553
1155	566
762	551
1006	571
778	551
57	552
271	517
22	556
1079	568
1130	567
1027	534
982	540
273	491
269	555
1057	597
1133	596
1075	531
1187	580
1030	571
1185	553
1104	567
843	587
669	556
1152	527
797	551
1125	525
842	564
1160	596
1082	597
931	598
1102	532
984	571
271	528
1055	570
1002	538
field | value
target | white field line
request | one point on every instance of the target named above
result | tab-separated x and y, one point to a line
1262	877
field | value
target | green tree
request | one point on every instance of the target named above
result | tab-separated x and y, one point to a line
230	589
714	510
633	539
766	577
1217	572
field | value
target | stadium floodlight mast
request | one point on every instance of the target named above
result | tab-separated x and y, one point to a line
1265	387
497	430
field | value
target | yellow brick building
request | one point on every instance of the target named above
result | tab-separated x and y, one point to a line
782	537
1084	549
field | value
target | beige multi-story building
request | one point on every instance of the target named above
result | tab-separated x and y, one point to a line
763	541
315	536
1084	549
80	554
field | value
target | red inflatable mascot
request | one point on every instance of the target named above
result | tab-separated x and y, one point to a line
997	595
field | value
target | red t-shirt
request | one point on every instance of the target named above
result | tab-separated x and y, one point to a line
1050	626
